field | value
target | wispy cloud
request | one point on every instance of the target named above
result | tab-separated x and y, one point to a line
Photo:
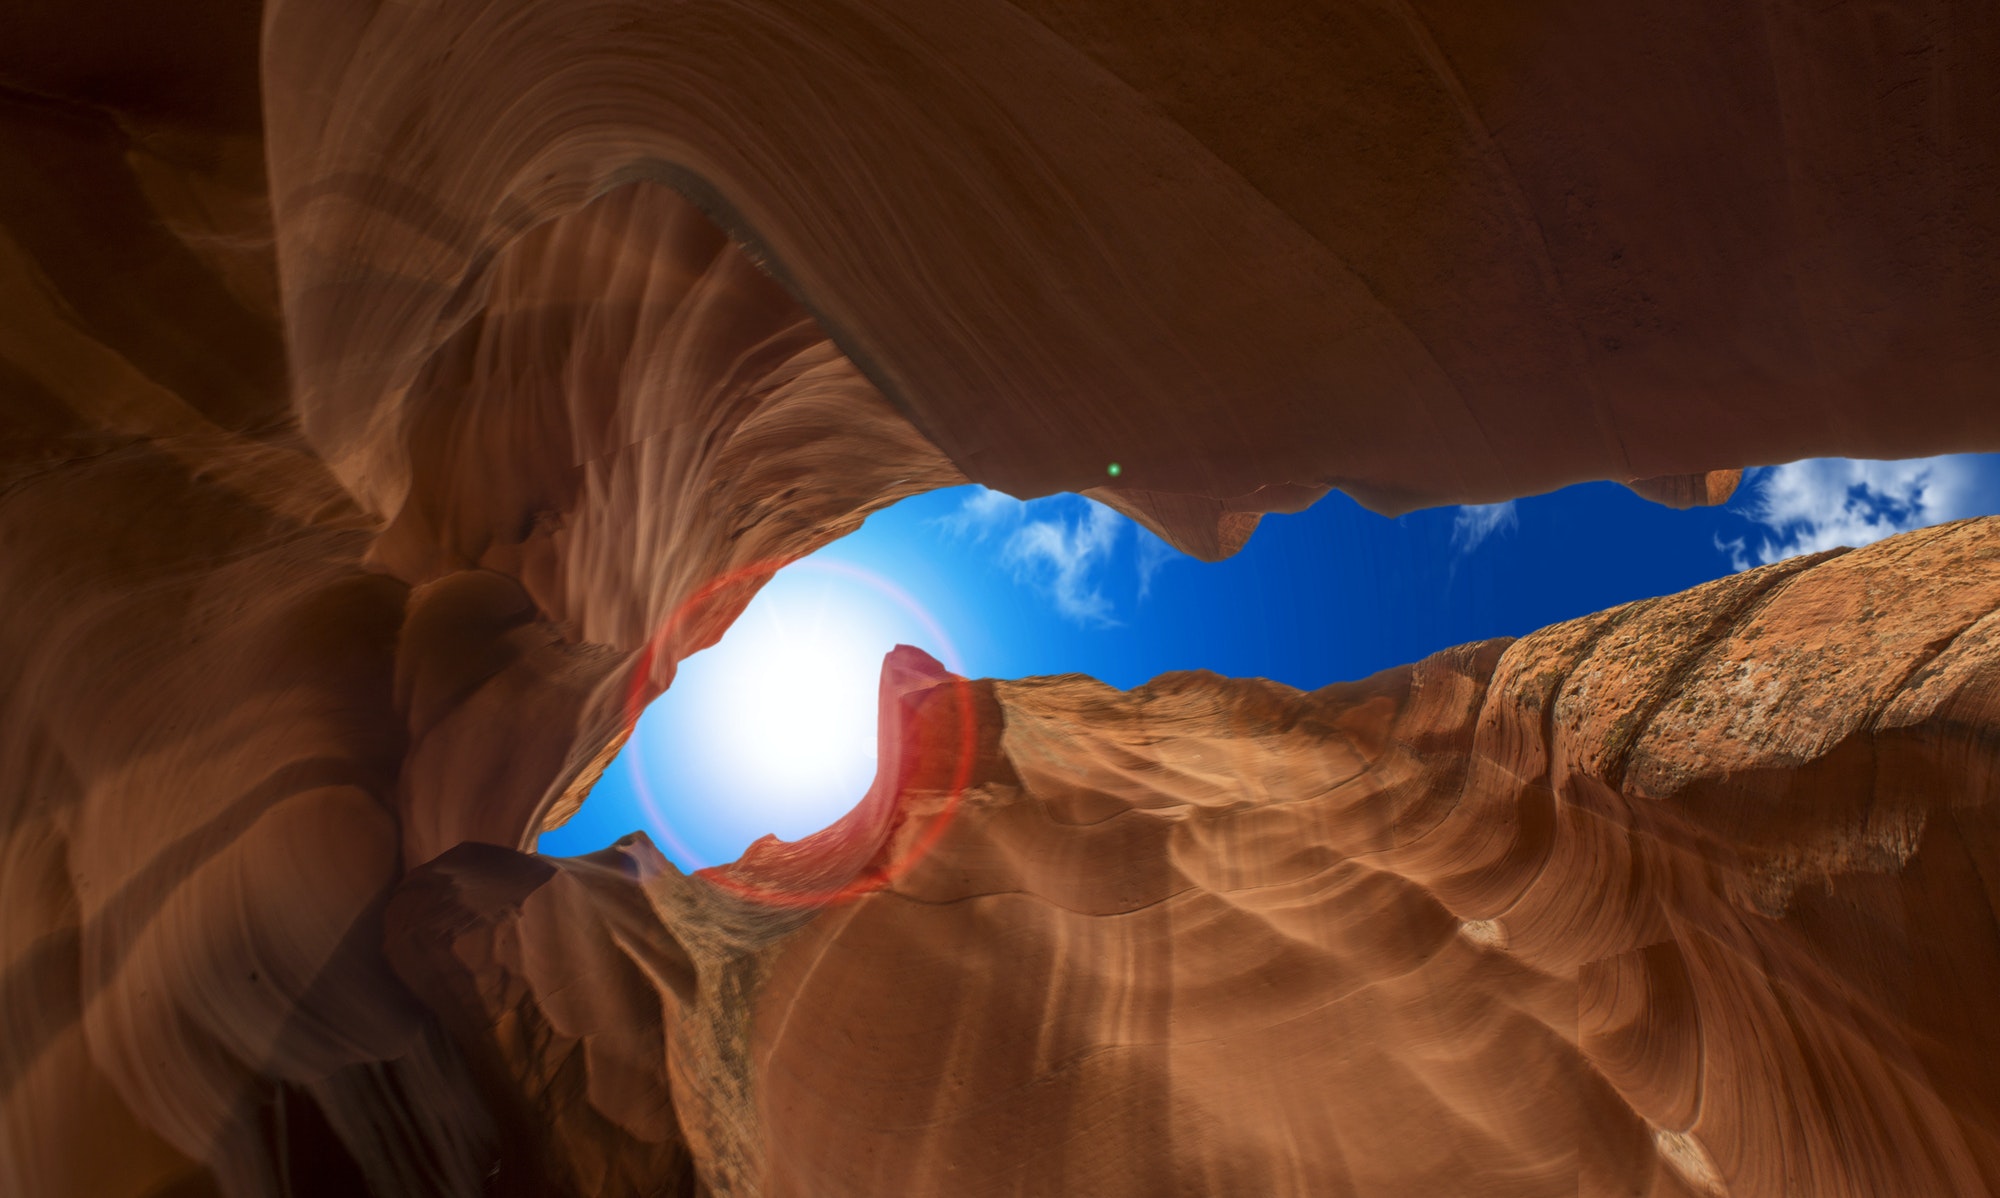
1152	554
1061	546
1820	503
1476	522
982	511
1062	555
1739	556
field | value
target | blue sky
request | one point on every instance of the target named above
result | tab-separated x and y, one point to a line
772	730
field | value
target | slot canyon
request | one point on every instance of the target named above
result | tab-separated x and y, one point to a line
393	392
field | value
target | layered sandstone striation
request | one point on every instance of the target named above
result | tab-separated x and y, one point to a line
1687	897
394	393
1250	252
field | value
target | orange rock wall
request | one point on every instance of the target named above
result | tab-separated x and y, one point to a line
391	393
1419	252
1681	898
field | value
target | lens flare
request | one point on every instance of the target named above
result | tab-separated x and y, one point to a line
773	729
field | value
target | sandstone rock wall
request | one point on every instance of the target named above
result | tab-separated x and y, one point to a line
392	393
1688	897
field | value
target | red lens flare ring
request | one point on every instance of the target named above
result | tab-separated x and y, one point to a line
866	880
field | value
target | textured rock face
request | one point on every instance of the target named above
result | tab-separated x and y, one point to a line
1408	251
1686	897
375	433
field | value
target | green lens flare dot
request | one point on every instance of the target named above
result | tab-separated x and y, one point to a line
1114	470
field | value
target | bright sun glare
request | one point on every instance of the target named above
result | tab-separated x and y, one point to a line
773	729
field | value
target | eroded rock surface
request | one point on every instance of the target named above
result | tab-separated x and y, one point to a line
1688	897
393	393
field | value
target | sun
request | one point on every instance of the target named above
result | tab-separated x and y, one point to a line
772	730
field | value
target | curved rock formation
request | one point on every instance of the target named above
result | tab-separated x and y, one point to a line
1262	249
1682	898
377	433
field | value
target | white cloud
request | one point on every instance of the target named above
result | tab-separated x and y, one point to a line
1058	545
1152	554
1476	522
1060	556
983	511
1820	503
1738	555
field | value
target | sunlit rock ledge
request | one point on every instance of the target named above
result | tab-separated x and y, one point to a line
395	393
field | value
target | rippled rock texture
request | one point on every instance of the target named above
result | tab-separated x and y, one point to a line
1688	897
393	393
